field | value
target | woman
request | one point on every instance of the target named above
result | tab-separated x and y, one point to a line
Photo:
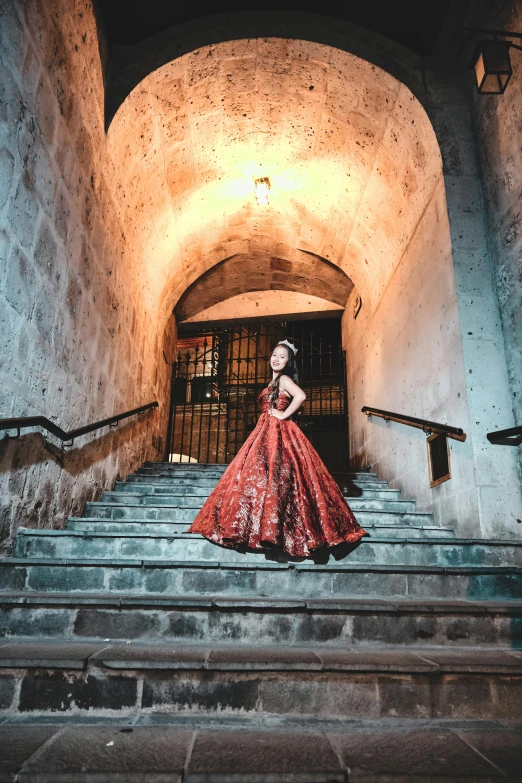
277	492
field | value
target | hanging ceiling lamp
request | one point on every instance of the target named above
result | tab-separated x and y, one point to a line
262	191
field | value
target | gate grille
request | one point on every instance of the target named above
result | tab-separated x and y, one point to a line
219	373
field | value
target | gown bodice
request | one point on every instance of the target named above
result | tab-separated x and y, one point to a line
281	404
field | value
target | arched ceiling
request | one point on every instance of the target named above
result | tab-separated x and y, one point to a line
349	151
243	273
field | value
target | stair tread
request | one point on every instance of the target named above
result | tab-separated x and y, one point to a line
427	540
249	565
237	657
101	520
106	504
219	602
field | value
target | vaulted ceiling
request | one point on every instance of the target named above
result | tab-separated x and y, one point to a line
350	153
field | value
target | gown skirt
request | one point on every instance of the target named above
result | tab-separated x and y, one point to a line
277	492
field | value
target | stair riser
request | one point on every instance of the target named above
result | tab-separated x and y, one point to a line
175	491
181	466
250	627
338	695
166	514
204	479
190	549
270	582
172	528
211	480
198	468
191	501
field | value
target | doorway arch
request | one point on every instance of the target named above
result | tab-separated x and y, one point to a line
356	175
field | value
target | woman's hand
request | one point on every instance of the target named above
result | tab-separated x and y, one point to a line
277	414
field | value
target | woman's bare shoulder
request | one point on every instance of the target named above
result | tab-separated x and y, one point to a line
288	385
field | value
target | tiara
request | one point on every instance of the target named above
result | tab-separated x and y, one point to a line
285	342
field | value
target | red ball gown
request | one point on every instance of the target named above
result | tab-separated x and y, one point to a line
277	492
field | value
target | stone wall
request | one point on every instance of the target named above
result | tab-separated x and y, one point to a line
80	344
498	123
468	355
407	357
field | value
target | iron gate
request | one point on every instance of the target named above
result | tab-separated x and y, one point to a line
217	378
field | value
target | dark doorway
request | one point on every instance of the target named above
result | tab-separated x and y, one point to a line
220	372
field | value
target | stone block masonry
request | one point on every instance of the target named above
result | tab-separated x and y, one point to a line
78	343
498	123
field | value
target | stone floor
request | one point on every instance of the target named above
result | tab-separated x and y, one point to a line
170	749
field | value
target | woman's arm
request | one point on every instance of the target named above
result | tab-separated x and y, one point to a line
288	385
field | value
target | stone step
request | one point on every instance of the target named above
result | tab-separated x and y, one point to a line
210	479
200	480
205	467
180	466
260	681
239	750
273	751
173	489
174	473
188	547
191	488
164	513
202	471
196	501
338	623
261	578
170	528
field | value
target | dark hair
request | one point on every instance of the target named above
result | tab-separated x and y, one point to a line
290	369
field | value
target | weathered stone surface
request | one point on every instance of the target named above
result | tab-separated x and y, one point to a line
498	126
17	745
127	625
270	755
6	174
57	656
405	753
258	659
502	748
135	753
60	691
159	751
50	53
152	657
7	691
234	693
404	696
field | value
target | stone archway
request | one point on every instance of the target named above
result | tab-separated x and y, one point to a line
238	275
350	153
356	179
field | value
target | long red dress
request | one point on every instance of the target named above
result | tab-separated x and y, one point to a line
277	492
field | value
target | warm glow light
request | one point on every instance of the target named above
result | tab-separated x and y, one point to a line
184	170
262	189
492	66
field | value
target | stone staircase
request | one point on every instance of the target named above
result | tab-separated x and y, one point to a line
126	614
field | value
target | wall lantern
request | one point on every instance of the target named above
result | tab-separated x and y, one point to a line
262	191
491	61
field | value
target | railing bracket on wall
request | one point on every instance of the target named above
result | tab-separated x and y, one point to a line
12	437
509	437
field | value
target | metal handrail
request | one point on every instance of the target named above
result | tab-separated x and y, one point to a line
54	429
429	427
509	437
